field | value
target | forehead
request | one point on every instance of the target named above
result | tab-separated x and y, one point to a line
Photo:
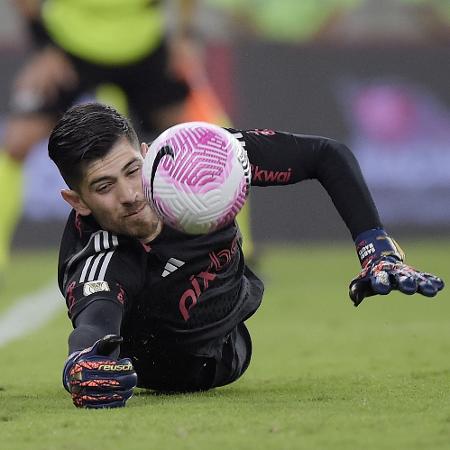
110	165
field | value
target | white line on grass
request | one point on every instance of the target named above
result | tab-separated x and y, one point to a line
29	313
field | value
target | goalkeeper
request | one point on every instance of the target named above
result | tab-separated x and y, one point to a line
163	310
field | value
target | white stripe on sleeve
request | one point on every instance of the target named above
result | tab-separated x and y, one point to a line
85	268
93	270
101	275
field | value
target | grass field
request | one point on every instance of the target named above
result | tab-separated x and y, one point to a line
324	375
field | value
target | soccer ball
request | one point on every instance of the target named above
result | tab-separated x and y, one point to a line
196	176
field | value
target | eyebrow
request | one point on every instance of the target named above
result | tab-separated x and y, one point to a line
108	178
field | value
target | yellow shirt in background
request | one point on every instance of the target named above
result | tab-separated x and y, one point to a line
107	32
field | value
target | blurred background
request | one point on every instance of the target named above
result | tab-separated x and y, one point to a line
373	74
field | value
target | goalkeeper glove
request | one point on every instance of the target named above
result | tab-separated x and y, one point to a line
95	379
383	270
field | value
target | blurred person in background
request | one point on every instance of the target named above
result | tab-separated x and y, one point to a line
126	48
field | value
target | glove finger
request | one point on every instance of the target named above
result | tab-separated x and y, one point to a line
406	284
99	399
94	385
107	345
359	289
97	383
437	282
427	288
430	286
381	283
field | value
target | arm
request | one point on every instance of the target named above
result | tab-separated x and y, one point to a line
282	158
91	280
92	373
30	11
98	319
185	53
279	158
47	72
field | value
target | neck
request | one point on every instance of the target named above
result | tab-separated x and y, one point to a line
156	230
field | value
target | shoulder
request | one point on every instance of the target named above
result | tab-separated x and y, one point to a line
89	254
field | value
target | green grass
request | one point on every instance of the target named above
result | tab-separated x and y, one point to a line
27	272
324	375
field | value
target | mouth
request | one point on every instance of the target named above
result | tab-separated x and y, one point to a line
136	211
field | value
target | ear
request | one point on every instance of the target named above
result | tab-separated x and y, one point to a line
75	201
144	149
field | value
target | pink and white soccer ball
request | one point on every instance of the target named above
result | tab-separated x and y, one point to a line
196	176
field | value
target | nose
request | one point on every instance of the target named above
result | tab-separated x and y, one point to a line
128	193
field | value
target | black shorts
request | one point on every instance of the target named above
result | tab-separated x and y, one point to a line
147	83
167	370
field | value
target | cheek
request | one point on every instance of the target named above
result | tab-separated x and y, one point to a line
105	210
138	184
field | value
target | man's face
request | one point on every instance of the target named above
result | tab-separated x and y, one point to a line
112	191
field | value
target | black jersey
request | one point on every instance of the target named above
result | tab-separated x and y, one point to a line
191	290
183	288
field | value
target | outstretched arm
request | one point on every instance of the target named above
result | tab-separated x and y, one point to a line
281	158
92	373
97	282
98	319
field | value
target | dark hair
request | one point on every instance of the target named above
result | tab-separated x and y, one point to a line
84	134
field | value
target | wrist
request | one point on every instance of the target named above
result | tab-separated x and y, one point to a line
374	244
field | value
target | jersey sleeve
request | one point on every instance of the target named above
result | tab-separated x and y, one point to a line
280	158
102	270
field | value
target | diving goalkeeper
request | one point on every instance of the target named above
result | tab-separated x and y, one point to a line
155	308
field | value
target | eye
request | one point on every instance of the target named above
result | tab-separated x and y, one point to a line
134	170
104	188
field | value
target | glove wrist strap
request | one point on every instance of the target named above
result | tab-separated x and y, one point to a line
374	244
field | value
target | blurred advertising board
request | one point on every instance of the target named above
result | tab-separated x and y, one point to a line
391	106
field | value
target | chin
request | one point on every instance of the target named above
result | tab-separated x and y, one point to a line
139	230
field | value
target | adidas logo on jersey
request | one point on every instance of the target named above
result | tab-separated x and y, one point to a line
171	265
